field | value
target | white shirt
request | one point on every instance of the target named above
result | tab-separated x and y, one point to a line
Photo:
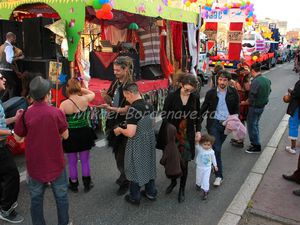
9	52
204	157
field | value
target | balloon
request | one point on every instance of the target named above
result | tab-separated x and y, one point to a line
106	8
188	3
254	58
223	63
99	14
219	62
225	12
250	14
103	1
209	2
97	4
108	16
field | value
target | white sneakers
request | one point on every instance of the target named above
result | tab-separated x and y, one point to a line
290	150
218	181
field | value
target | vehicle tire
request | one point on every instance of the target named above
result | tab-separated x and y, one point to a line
268	64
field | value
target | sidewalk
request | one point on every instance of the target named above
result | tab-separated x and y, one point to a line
273	203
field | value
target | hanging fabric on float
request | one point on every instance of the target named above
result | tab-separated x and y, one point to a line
151	42
177	41
192	40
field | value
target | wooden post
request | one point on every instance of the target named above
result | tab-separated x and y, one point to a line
72	71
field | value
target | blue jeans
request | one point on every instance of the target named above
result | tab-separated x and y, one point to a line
294	122
217	130
60	191
134	189
253	118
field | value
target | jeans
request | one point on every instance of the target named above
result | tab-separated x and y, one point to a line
134	189
253	118
294	122
60	191
9	179
217	130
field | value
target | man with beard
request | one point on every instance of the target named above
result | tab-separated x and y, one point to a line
219	103
117	107
9	54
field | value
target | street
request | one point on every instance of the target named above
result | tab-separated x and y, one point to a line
102	206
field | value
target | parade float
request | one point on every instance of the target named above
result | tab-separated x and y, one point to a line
154	28
240	16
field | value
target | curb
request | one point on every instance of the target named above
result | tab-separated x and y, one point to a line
239	204
272	217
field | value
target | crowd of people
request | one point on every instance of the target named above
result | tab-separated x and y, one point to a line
232	101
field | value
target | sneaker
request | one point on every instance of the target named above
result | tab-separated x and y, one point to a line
218	181
290	150
12	217
254	149
146	195
296	192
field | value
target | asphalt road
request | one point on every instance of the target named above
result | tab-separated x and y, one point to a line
103	206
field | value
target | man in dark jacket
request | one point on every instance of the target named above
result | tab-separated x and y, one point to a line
260	90
219	103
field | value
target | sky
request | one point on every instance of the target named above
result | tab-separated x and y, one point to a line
286	10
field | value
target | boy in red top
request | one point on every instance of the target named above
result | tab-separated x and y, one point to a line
44	127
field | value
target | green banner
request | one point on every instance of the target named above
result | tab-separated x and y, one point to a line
73	11
155	8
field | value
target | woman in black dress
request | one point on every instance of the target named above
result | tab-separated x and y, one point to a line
182	109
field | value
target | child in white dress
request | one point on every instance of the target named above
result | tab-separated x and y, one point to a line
204	159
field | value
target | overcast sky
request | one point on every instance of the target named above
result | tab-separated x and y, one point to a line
287	10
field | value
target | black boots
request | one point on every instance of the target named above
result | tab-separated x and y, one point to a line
181	195
171	186
87	183
73	186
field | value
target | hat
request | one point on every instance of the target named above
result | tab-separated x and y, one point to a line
39	88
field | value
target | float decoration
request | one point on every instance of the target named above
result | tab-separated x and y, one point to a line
209	9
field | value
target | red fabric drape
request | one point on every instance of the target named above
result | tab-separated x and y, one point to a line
177	40
106	58
103	37
211	26
133	37
234	49
165	64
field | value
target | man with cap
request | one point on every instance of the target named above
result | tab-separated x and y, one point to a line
8	57
219	103
9	174
260	90
44	127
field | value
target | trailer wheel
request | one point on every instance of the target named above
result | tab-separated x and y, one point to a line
269	64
